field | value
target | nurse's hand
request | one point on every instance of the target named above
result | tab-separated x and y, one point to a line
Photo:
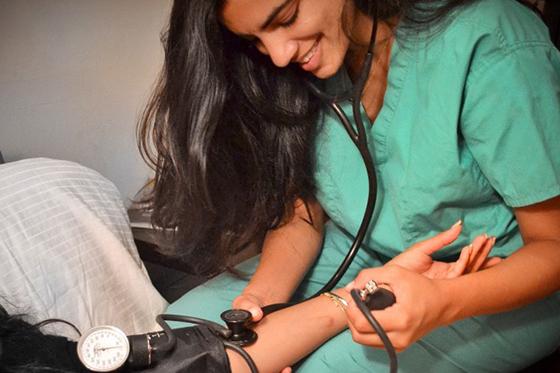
251	303
473	257
420	308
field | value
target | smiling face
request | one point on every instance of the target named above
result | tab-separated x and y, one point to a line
305	32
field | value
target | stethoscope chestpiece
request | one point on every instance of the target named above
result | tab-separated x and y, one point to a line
238	322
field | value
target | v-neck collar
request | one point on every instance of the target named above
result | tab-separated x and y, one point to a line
398	70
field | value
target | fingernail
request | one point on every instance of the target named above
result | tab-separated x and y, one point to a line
458	223
485	236
350	286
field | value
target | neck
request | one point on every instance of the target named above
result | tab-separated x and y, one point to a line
376	85
360	39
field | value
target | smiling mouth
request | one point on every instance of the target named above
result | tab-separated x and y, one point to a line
309	55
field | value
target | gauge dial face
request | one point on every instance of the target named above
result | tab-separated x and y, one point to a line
103	349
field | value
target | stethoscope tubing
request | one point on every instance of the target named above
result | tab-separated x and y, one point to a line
359	138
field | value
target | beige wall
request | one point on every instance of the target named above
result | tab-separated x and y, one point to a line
74	75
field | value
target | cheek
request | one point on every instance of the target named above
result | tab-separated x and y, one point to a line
316	17
327	22
335	45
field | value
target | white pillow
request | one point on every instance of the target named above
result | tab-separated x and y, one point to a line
66	250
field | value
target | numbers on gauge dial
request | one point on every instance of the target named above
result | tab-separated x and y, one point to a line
103	349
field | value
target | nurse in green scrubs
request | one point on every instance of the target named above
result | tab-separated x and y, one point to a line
463	106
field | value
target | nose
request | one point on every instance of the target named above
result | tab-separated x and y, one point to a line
281	50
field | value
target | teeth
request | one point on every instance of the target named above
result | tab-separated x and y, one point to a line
311	53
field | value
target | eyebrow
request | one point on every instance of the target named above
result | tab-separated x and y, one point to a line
273	14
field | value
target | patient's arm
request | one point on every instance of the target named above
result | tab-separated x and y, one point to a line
289	335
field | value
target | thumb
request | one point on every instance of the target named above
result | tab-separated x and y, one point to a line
256	311
438	241
246	303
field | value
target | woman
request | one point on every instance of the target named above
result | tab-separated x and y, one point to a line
458	92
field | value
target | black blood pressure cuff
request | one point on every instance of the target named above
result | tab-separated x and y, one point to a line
197	350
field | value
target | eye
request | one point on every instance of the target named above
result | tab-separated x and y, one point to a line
290	21
294	9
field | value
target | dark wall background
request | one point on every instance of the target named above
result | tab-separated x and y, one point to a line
552	19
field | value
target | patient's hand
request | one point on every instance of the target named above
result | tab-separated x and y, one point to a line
473	257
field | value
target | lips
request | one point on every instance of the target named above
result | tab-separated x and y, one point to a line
309	55
311	60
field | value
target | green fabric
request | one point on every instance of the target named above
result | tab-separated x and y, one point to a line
469	129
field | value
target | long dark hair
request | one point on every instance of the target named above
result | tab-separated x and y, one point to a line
230	136
25	349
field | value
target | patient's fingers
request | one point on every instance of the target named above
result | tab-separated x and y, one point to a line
480	253
491	262
458	268
485	252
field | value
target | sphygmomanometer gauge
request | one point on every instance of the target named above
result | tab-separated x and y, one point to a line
103	349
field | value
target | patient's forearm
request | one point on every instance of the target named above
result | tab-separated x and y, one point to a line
286	336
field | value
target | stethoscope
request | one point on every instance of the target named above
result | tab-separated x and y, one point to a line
238	332
359	138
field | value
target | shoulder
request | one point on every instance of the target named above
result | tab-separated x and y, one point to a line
497	25
493	14
477	35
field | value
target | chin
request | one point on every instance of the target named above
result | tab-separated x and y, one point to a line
330	68
325	72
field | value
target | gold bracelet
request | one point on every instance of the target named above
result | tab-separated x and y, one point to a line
338	300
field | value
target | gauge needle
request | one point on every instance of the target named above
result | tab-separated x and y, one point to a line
97	349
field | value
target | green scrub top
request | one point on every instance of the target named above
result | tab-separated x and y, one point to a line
469	129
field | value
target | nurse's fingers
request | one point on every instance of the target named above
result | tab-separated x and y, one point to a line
390	321
440	240
249	303
372	339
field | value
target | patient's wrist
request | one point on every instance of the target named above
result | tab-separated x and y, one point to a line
333	307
